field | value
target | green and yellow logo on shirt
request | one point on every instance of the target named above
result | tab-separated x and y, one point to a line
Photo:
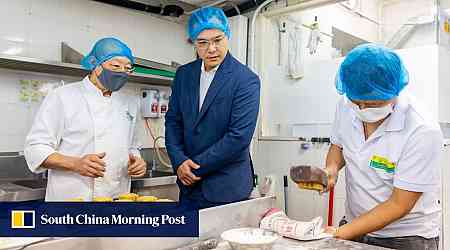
382	163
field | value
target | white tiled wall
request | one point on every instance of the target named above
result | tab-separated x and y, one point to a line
36	28
17	115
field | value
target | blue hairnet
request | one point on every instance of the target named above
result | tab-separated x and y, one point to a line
105	49
371	72
207	18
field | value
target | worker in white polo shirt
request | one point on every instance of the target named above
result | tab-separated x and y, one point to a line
390	152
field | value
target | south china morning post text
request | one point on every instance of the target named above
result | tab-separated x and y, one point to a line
84	219
114	219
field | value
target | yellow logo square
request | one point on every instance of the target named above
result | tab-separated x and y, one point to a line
22	219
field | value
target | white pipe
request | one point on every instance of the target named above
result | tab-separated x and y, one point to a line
251	62
301	6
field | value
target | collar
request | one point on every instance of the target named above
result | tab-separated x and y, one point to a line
397	119
91	88
214	70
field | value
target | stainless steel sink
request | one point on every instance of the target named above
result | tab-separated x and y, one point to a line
22	190
34	184
157	183
153	174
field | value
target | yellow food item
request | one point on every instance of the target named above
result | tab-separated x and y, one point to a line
147	199
311	186
124	200
165	200
128	196
103	199
75	200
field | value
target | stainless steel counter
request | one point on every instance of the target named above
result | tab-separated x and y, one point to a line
288	244
213	221
328	244
22	190
153	181
159	184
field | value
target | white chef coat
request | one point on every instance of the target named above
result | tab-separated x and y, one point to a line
404	153
75	120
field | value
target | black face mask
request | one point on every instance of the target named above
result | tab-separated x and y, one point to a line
111	80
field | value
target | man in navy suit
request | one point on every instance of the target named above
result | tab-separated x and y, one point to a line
212	117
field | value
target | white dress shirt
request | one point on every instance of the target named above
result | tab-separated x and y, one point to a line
206	79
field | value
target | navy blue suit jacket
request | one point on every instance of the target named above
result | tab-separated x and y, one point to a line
218	137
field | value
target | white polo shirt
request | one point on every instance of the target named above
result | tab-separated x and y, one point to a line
404	152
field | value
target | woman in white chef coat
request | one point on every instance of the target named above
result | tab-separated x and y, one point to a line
390	152
84	133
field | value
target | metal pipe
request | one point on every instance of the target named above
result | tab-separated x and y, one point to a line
301	6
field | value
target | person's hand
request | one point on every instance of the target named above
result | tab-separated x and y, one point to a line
332	177
185	174
90	165
331	230
137	167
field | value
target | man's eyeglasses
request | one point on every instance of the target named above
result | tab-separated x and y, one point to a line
203	44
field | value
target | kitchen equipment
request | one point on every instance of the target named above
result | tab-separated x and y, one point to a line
250	238
23	190
202	245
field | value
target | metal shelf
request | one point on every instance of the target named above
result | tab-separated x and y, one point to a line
69	69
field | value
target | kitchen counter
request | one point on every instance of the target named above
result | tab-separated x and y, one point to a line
325	244
153	181
213	221
160	184
288	244
22	190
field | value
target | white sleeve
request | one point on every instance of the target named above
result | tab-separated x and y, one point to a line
45	134
137	124
335	138
418	169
